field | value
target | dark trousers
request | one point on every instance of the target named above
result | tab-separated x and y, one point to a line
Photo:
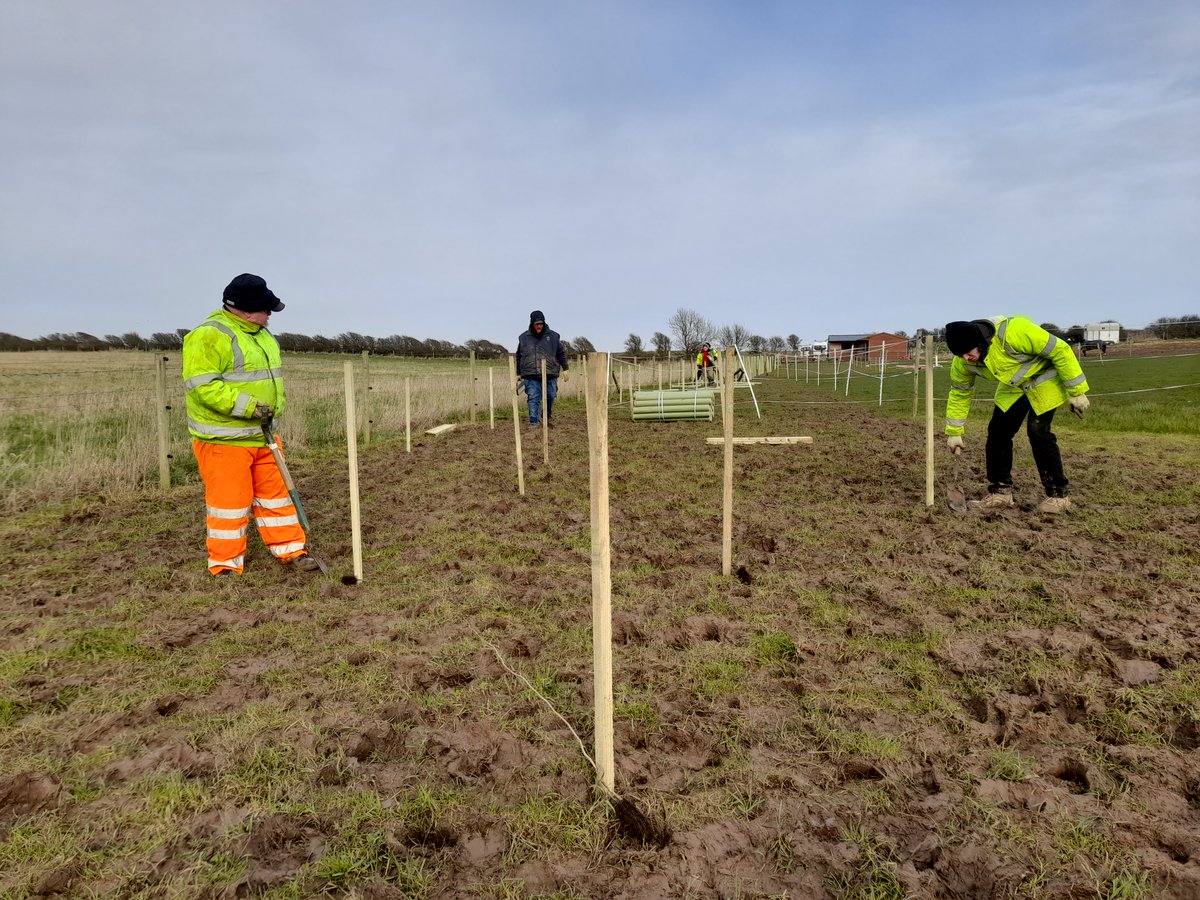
1003	428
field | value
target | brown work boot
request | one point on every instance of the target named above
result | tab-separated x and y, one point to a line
305	563
1054	505
992	501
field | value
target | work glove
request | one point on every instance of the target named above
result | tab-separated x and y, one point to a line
1079	404
261	411
956	444
564	376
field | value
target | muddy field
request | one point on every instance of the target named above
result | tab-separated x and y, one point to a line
887	701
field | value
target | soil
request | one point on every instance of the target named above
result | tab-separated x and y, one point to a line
927	648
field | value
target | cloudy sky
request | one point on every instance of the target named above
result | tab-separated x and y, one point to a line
439	168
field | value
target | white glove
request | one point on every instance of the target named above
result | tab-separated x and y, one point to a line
956	444
564	376
1079	404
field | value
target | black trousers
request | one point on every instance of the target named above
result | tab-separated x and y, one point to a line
1003	428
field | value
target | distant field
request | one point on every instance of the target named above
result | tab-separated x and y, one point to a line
1158	394
74	423
78	423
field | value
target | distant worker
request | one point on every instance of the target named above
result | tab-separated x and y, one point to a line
232	377
533	346
1037	373
706	361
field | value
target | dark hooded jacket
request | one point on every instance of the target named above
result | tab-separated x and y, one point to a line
533	348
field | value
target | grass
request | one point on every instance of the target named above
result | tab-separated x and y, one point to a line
74	423
884	662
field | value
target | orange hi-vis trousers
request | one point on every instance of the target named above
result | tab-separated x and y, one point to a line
238	480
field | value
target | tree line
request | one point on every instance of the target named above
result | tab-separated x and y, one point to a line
688	331
1167	328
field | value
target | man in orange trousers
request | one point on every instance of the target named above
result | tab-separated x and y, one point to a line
233	380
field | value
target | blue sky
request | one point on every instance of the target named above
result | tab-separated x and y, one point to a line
439	169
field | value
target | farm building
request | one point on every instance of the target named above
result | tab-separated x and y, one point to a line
870	346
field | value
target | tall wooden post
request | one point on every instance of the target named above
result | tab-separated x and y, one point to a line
727	491
471	375
352	456
407	415
545	419
366	354
928	421
164	466
597	418
516	416
491	398
882	364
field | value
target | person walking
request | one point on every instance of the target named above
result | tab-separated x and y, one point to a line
233	381
705	363
537	344
1037	373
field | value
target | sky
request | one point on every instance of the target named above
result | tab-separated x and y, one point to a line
440	168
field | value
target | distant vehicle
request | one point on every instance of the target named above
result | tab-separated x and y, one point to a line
1098	336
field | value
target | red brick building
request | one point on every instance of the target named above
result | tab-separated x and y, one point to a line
870	346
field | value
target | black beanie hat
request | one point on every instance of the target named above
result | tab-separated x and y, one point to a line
963	337
536	316
250	293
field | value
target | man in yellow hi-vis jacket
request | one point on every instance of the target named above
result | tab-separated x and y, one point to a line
233	380
1037	373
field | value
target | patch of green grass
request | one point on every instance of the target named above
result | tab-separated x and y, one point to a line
774	647
1126	884
873	876
103	643
1007	764
268	774
545	826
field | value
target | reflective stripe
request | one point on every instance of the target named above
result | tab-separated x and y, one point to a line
244	402
227	534
959	386
222	430
236	562
956	423
1020	374
270	521
239	359
1076	381
1050	345
197	380
218	513
284	549
981	371
256	375
272	504
1048	375
232	377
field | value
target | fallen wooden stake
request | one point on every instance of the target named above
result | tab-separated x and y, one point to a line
760	440
441	429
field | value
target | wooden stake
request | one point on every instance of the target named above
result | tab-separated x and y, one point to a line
727	492
492	398
928	421
512	379
545	419
597	418
770	439
471	378
164	466
408	415
366	399
352	455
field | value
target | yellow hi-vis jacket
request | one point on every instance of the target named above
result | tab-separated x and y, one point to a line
1025	359
229	366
